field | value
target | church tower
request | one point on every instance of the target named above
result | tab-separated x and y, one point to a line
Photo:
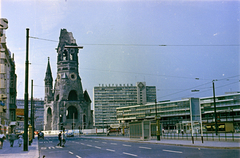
48	84
70	107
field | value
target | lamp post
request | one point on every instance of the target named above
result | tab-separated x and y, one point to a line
25	144
232	115
32	110
157	122
215	109
123	124
60	122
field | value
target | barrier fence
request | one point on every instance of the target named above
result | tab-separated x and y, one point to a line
206	136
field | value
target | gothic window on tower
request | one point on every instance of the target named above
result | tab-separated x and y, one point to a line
72	95
59	57
65	55
57	97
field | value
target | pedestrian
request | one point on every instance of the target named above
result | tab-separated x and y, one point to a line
11	138
1	140
182	132
20	140
60	138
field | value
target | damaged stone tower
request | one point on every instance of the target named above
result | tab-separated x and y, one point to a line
66	105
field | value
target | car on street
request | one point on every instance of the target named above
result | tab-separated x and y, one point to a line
70	134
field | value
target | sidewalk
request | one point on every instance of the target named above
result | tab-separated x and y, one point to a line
176	142
17	152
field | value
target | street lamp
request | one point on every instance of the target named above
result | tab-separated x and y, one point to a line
215	109
25	144
232	115
61	122
157	122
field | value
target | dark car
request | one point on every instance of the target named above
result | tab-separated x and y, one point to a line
40	135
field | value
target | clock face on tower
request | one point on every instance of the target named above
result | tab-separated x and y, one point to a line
140	85
73	76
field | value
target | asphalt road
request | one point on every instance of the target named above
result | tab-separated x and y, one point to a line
87	147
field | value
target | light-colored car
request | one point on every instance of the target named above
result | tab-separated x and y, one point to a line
70	134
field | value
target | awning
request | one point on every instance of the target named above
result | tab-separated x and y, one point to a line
14	123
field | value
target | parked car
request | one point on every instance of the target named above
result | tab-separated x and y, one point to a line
40	135
70	134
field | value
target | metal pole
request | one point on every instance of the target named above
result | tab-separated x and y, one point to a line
32	110
73	122
25	145
215	109
157	122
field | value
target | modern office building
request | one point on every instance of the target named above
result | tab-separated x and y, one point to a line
8	82
109	97
175	115
38	106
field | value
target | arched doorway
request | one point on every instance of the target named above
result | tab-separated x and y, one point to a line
72	112
49	119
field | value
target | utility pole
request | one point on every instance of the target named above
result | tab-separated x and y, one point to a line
157	122
32	110
25	145
215	109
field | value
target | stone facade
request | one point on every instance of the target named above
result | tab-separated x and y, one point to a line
66	105
8	80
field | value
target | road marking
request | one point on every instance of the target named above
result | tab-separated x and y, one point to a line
40	142
98	147
126	145
114	143
104	142
172	151
129	154
144	147
82	143
49	147
70	152
89	145
43	148
78	156
110	150
58	147
53	147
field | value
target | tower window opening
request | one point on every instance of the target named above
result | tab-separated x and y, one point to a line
65	55
72	95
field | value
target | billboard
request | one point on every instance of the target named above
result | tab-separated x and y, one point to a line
195	109
19	112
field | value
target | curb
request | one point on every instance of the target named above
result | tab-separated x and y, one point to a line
172	144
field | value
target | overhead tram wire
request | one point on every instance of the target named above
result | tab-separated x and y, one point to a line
151	45
143	74
201	85
185	90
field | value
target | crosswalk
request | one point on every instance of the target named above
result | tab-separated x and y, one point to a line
51	147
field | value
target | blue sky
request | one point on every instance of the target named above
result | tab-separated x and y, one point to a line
121	43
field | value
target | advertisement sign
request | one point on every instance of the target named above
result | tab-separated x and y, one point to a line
19	112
